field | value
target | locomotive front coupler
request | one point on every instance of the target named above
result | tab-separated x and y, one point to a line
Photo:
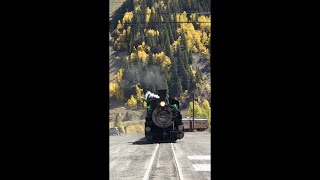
176	134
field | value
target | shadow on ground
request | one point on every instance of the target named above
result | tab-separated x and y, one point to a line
143	141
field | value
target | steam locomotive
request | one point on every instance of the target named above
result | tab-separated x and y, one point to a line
163	118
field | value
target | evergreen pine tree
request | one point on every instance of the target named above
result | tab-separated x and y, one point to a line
127	117
182	72
116	121
170	31
200	7
190	58
150	59
180	61
173	79
143	6
179	87
167	48
184	45
192	79
149	3
198	76
185	58
166	84
189	5
142	36
189	77
131	45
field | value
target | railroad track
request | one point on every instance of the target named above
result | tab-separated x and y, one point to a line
163	164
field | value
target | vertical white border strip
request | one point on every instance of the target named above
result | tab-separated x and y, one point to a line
177	163
147	174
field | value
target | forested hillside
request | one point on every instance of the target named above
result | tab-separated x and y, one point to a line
162	44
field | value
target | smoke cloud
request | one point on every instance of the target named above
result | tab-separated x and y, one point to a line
154	76
150	95
147	76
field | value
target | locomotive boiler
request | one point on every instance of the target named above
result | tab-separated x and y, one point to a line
163	118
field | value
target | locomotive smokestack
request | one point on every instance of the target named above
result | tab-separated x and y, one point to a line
162	93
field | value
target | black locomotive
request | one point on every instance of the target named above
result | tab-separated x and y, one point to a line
163	118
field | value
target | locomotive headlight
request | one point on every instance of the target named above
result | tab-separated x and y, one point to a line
162	103
148	129
180	127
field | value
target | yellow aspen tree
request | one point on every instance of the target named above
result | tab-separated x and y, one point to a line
204	22
193	17
139	93
193	71
118	93
120	75
119	26
207	109
137	8
208	88
115	91
143	56
143	47
133	56
127	17
206	105
162	59
112	88
205	39
132	102
198	112
152	33
148	13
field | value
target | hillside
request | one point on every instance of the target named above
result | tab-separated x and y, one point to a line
114	5
159	44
